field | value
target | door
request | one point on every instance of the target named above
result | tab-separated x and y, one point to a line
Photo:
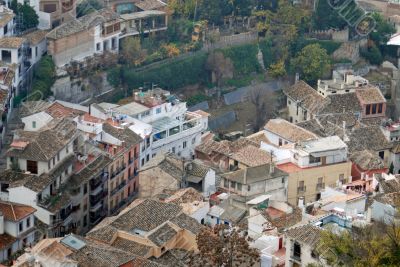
323	159
280	243
32	166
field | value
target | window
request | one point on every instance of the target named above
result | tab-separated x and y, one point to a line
21	226
142	161
283	180
173	150
36	51
85	221
296	250
28	222
193	140
233	185
289	102
54	161
368	109
148	157
49	164
33	124
158	110
66	171
85	188
248	188
58	156
226	183
67	148
5	29
382	154
374	109
239	186
280	142
32	166
98	47
314	159
380	108
184	144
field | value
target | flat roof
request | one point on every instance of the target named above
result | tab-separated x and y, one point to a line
131	109
323	144
164	123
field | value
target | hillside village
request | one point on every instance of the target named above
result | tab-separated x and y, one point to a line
199	133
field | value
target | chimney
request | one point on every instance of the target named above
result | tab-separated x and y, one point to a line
319	82
1	223
297	77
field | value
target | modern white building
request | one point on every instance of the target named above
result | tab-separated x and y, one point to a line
162	121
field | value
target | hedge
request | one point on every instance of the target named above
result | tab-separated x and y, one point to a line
172	75
329	46
244	58
266	49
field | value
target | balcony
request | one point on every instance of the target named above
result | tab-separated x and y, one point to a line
320	186
94	199
97	216
118	171
301	189
133	175
131	160
119	187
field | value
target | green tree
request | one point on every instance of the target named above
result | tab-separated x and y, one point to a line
278	69
220	67
132	53
325	17
184	8
29	17
43	79
373	55
311	62
214	11
377	244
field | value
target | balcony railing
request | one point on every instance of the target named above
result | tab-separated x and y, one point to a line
301	189
320	186
119	187
97	198
118	171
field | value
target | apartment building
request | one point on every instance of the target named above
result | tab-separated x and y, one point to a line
38	169
161	120
17	229
313	165
94	33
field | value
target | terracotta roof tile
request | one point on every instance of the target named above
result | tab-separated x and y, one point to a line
35	37
251	156
11	42
306	96
14	211
6	241
371	95
289	131
307	234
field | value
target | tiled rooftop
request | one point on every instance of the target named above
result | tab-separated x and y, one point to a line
289	130
307	96
371	95
11	42
307	234
15	212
